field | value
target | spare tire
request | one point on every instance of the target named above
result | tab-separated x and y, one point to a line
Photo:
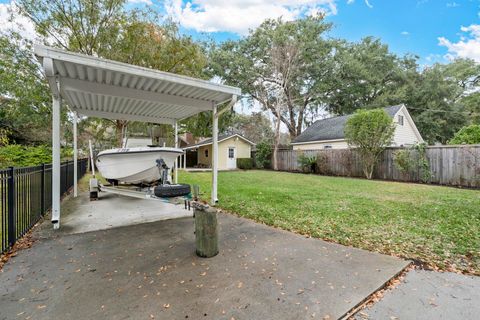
172	190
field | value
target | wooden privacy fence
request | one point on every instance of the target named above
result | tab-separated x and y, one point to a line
448	165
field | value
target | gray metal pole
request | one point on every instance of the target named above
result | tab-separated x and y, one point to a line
175	125
214	199
57	104
75	156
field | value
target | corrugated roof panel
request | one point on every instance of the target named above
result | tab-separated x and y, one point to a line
111	89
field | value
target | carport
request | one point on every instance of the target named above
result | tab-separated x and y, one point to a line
109	89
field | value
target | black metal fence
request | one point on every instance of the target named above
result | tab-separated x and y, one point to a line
26	195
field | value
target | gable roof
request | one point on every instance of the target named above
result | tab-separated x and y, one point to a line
221	138
333	128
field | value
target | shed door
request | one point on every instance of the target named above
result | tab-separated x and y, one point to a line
232	158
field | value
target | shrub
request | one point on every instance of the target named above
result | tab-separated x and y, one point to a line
263	155
467	135
370	131
245	163
403	160
307	163
16	155
414	159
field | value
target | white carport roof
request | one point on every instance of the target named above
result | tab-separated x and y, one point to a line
109	89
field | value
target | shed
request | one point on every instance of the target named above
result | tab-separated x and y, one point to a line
230	148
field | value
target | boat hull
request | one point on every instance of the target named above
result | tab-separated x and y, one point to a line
135	165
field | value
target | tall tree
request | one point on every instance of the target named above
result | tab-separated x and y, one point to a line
24	96
105	28
280	61
442	98
255	127
367	75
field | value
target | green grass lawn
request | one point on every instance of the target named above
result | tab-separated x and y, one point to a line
440	226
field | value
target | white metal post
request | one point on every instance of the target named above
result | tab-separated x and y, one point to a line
175	125
214	199
75	156
185	160
57	104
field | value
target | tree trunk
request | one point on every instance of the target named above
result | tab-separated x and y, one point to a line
276	142
120	126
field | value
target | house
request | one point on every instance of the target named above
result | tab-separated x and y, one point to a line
329	133
230	148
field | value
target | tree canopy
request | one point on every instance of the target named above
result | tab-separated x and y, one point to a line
467	135
370	132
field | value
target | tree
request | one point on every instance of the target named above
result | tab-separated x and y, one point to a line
106	29
255	127
201	124
25	106
367	75
370	132
290	61
441	99
467	135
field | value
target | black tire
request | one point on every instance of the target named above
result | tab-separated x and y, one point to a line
172	190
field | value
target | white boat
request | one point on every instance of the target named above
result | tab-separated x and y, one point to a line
135	165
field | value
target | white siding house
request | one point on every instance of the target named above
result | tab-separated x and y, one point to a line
329	133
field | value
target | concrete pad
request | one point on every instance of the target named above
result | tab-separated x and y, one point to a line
150	271
110	211
429	295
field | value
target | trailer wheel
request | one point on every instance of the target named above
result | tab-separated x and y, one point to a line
172	190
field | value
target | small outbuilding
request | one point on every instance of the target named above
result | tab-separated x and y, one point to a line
329	133
230	148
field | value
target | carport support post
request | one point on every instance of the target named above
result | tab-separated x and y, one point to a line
75	156
57	103
214	199
175	125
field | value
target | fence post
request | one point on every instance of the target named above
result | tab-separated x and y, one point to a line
66	177
11	207
42	191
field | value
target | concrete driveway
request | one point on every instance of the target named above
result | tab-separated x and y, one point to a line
150	271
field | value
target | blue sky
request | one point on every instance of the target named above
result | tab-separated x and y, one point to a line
407	26
433	29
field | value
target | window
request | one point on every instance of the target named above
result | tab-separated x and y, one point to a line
400	120
206	153
327	147
231	153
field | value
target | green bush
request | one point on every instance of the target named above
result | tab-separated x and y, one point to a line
467	135
16	155
308	163
370	132
263	155
414	159
244	163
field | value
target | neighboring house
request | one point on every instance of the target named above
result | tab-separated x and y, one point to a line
230	147
329	133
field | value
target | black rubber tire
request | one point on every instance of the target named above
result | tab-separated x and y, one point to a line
172	190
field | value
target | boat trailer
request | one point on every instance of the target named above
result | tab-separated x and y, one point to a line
147	193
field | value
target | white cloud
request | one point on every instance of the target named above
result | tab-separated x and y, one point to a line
239	16
467	47
367	3
452	5
146	2
405	33
12	20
